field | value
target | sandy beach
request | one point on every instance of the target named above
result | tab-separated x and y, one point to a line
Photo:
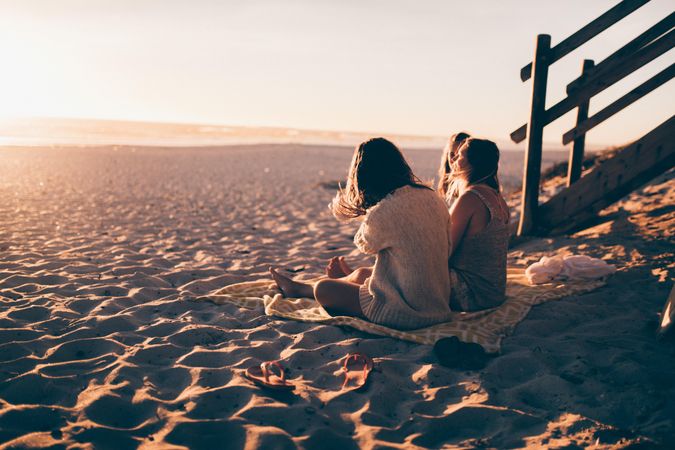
100	247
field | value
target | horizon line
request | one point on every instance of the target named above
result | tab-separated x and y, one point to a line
435	139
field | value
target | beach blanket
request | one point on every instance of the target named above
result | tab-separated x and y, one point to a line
486	328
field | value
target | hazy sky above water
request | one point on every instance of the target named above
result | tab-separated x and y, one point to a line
408	67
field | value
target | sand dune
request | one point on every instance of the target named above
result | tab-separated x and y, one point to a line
99	349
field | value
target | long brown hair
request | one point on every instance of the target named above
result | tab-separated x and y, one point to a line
449	152
378	168
483	158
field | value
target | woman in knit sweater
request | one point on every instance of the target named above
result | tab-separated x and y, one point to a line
406	225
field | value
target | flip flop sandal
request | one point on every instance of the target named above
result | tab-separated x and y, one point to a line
262	376
354	358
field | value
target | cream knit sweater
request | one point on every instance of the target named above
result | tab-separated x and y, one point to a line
409	230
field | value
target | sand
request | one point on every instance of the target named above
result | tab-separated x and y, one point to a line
98	348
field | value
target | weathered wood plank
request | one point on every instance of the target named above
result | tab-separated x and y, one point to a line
636	44
577	150
586	33
611	75
600	82
532	170
645	88
520	134
633	166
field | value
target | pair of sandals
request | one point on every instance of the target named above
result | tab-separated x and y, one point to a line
264	376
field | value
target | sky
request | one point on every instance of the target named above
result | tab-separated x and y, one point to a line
407	67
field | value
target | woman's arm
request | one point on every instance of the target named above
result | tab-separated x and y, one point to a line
370	238
376	230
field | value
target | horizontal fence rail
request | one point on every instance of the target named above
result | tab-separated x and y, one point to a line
588	32
645	88
633	46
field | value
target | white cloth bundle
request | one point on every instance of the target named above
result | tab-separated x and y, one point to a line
575	267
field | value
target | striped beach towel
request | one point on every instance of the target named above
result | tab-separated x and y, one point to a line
486	328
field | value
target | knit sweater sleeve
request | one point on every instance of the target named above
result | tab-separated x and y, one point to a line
375	233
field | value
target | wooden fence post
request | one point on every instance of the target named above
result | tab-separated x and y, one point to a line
577	150
532	171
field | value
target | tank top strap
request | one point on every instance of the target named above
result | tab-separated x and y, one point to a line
487	203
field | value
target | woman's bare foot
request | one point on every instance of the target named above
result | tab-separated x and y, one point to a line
334	269
291	288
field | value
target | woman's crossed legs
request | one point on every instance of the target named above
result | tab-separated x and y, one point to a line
339	296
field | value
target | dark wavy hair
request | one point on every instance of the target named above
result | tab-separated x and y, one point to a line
378	168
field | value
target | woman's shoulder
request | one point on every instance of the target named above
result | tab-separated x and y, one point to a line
470	200
475	200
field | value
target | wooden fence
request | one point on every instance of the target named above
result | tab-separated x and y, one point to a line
562	212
